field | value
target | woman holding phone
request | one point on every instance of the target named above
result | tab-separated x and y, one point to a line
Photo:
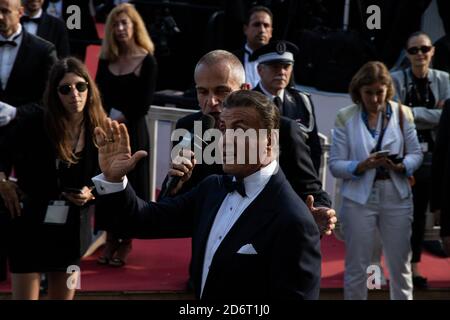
53	154
376	193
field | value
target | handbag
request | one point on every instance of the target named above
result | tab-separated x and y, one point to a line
411	179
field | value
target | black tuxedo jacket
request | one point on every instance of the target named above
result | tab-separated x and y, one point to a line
294	108
295	160
277	223
441	171
54	30
28	78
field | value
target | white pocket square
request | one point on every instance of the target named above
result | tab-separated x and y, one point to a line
247	249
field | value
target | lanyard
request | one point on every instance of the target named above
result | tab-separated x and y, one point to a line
365	118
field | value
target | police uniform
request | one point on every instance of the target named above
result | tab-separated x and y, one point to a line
292	103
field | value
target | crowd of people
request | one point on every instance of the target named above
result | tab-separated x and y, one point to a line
390	148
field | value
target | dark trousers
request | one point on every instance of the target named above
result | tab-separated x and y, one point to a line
421	198
4	222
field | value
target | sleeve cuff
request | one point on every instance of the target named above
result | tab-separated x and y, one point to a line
408	171
352	168
105	187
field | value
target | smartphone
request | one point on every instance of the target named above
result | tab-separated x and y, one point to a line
382	153
73	190
395	159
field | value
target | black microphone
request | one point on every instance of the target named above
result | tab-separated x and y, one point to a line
189	141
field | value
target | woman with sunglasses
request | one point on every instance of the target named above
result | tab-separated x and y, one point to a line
424	90
53	154
126	78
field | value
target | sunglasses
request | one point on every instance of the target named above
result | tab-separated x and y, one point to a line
66	88
415	50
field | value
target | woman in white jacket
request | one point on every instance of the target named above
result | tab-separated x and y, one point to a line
374	150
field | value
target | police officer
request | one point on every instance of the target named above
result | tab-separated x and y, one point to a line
275	64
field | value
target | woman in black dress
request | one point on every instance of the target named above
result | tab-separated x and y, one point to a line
54	157
126	78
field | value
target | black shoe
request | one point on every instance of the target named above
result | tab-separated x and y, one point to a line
420	282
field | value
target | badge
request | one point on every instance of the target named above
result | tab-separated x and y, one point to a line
281	47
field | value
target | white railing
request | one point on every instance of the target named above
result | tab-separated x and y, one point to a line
155	114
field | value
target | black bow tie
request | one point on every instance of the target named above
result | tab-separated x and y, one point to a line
8	43
236	185
29	19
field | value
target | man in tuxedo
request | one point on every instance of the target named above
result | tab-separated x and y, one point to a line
275	62
258	32
217	74
25	59
50	28
244	244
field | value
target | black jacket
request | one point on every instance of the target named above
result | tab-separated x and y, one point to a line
28	78
294	108
54	30
277	224
441	171
294	159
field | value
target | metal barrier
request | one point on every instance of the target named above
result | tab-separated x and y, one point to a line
324	163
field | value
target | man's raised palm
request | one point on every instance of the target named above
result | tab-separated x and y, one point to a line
114	152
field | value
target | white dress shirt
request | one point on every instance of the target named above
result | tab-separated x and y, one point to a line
229	212
251	68
32	27
271	96
8	55
105	187
231	209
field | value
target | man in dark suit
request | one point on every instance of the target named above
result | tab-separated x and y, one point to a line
441	176
50	28
244	244
258	32
26	59
217	74
25	63
275	63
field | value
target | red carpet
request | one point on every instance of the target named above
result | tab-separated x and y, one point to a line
162	265
436	269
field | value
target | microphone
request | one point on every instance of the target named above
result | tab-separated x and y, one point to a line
189	140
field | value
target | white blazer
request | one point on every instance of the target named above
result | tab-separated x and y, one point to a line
353	143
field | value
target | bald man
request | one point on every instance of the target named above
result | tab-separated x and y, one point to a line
25	61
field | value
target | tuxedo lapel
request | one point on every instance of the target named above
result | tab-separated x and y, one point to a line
208	214
43	27
253	219
20	64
